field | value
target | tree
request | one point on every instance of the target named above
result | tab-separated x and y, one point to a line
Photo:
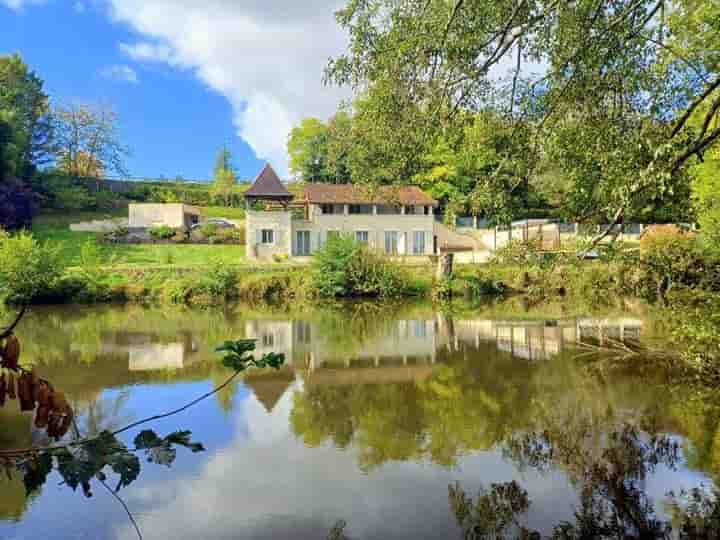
319	152
307	150
87	141
628	68
25	136
706	197
224	177
24	106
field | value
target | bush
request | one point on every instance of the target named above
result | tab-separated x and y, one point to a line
519	252
670	257
346	268
28	269
162	232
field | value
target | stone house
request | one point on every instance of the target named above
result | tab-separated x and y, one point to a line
143	216
396	220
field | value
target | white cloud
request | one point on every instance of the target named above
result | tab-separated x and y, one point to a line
121	73
266	58
17	5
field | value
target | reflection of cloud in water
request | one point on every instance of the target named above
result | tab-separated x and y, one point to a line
269	485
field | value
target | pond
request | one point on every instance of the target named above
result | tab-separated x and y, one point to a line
388	419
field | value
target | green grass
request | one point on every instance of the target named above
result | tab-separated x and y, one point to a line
54	227
223	212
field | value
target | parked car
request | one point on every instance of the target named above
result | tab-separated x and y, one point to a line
219	222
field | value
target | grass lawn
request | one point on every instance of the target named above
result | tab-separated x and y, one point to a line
54	227
223	212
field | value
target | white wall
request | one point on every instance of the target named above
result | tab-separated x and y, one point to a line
375	225
278	222
153	215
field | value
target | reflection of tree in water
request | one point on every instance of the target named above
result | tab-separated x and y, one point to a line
610	481
462	406
97	453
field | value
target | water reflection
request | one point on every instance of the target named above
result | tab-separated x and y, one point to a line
377	411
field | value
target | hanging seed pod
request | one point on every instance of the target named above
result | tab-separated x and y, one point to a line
25	392
11	386
58	402
34	384
42	417
43	395
11	353
3	389
53	426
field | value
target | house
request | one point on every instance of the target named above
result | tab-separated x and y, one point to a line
148	215
397	220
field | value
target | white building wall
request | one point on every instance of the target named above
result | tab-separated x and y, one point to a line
279	223
148	215
375	225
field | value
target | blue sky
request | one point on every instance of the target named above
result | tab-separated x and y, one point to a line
185	76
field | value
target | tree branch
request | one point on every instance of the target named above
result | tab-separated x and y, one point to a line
694	105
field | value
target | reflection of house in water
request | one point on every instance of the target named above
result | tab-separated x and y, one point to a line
269	385
403	351
539	340
410	342
146	352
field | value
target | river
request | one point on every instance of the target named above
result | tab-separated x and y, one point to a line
378	417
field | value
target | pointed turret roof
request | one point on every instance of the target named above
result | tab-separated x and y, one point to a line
267	185
270	387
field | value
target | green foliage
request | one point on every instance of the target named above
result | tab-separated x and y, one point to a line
224	179
671	257
27	267
236	356
346	268
162	232
706	197
519	252
318	151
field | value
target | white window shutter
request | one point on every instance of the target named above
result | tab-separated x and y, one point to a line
258	236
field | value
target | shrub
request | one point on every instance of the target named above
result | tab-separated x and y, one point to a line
220	279
519	252
346	268
162	232
483	283
27	268
671	257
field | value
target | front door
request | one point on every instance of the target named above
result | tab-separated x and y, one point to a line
302	243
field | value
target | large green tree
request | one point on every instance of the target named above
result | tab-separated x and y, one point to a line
224	178
25	139
24	108
319	151
620	77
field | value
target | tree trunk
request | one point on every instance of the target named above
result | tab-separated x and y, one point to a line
445	266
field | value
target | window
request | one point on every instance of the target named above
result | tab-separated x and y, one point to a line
360	209
302	243
332	209
267	236
419	243
361	237
386	209
194	219
391	242
268	340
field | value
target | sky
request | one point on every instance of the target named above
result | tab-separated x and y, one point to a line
185	76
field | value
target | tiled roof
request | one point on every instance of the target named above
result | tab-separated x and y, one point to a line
356	194
267	184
